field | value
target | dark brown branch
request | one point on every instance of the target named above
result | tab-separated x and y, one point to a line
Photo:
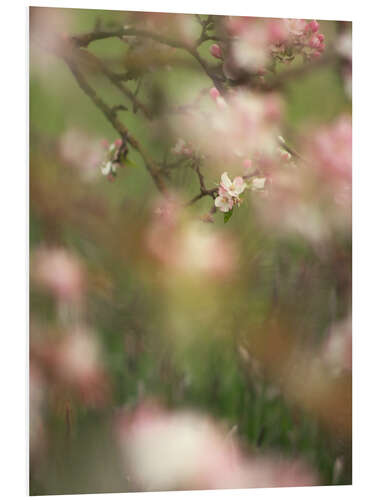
116	81
85	39
280	80
203	190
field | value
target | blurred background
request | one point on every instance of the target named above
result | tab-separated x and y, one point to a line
158	331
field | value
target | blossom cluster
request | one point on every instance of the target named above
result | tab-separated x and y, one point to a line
114	155
254	43
302	37
240	125
314	200
229	192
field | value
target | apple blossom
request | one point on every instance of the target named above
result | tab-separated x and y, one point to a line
234	188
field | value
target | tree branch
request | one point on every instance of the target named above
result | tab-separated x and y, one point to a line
117	124
85	39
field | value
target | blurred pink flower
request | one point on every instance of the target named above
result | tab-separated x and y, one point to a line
196	454
181	148
189	247
312	197
330	149
82	152
227	134
73	363
59	272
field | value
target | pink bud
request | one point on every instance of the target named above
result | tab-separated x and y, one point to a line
215	51
214	93
118	143
321	37
314	26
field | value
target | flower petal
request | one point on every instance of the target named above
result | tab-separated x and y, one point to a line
106	168
225	181
239	185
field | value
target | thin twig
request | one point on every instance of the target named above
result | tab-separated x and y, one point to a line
117	124
116	81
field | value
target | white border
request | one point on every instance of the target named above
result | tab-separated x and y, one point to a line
14	232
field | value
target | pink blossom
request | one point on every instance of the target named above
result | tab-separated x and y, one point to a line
313	26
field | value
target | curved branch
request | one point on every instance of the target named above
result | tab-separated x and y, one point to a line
85	39
117	124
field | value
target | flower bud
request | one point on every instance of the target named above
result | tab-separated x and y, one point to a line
215	51
214	93
314	26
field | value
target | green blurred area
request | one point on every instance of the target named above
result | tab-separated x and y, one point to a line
128	311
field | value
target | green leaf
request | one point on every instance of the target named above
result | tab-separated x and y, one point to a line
228	215
130	163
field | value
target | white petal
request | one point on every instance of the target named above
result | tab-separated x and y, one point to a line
239	185
106	168
225	181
